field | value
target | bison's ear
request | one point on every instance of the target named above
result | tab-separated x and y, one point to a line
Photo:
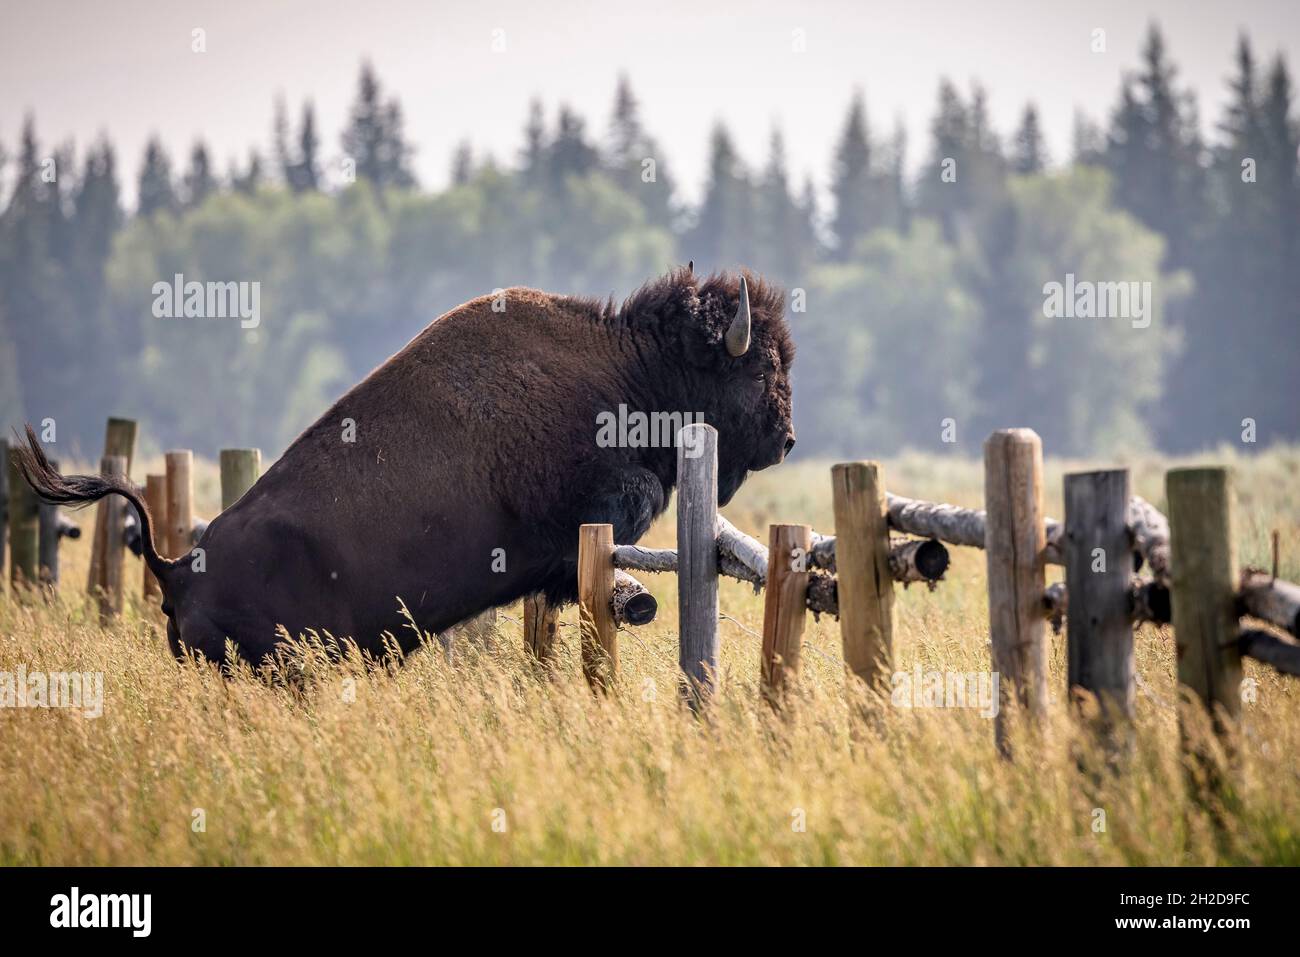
737	337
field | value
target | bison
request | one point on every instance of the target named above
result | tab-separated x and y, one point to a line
455	476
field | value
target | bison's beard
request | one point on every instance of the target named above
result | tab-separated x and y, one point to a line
729	482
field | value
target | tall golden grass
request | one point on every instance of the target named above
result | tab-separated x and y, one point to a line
479	757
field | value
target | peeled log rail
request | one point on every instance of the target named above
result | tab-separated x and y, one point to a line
1148	528
632	602
917	560
645	559
910	559
1271	650
131	529
750	553
1148	601
1271	599
948	523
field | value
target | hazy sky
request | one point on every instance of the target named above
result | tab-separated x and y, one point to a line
126	67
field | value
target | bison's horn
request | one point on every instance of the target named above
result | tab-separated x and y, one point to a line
738	331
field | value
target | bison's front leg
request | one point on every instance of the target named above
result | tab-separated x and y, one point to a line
629	499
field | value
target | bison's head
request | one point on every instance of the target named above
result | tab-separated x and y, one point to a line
740	351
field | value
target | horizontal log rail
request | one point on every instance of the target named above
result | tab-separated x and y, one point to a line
1148	601
1148	529
1271	650
632	602
1271	599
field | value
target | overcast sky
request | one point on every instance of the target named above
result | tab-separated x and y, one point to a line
126	67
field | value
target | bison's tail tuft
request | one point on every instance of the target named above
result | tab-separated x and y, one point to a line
84	489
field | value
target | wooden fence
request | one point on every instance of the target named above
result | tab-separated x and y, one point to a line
34	528
1124	562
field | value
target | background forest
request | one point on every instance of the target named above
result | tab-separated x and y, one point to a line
916	297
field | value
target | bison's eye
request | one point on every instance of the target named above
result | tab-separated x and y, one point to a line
761	377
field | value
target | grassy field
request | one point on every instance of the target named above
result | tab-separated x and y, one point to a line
477	758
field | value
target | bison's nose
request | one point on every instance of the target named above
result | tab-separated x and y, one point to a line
789	444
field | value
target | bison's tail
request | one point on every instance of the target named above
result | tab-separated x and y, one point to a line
84	489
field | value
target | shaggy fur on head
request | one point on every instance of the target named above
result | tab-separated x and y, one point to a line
681	299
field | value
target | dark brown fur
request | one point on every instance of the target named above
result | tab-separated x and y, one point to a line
479	435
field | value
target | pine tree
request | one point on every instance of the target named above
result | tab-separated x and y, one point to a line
396	151
250	179
97	207
280	142
941	187
635	162
199	181
462	164
1155	153
851	181
626	136
374	137
569	152
534	154
306	171
155	192
1087	142
35	288
780	246
723	234
1029	155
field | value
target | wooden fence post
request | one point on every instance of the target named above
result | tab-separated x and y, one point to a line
1098	571
113	508
240	468
4	507
785	605
1014	539
155	497
697	559
119	439
48	548
595	616
180	502
24	528
1204	558
866	585
540	620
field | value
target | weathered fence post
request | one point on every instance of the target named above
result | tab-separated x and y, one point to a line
1204	558
785	605
4	507
697	557
1098	571
119	439
866	585
24	528
48	548
180	502
1014	538
155	497
240	468
113	508
540	620
595	616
